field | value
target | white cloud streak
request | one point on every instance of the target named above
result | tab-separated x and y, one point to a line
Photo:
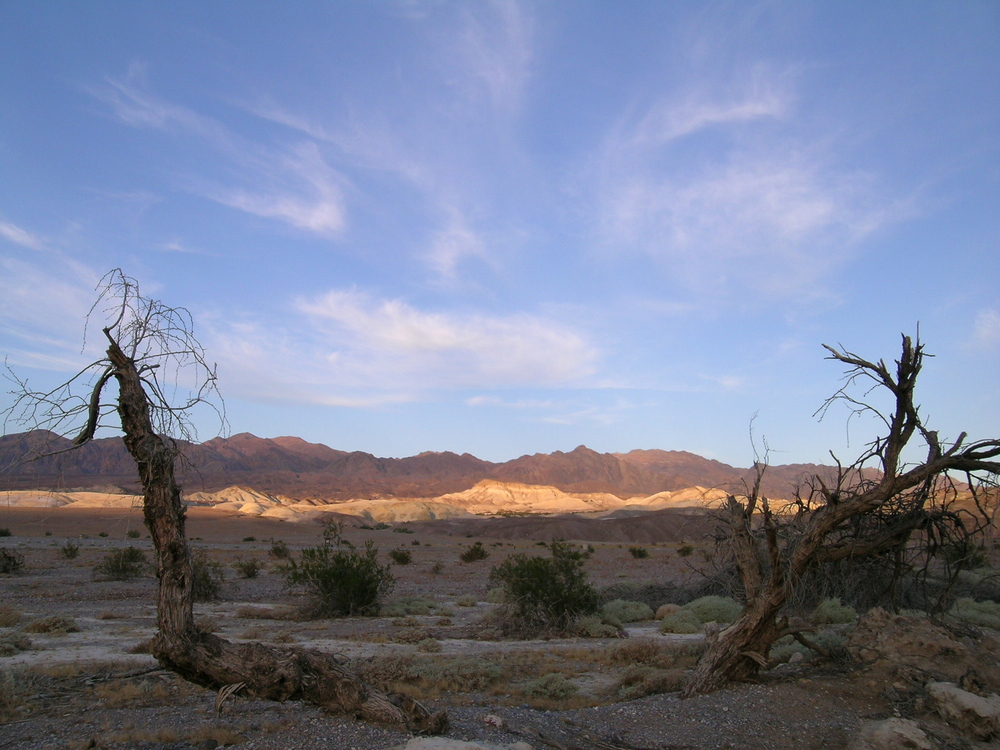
292	184
986	331
348	348
20	236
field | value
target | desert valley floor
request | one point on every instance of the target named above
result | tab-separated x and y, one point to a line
75	674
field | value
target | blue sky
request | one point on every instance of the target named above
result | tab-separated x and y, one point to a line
503	227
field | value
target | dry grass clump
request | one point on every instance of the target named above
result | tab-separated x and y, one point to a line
13	642
551	687
640	680
15	687
595	626
122	693
9	616
248	612
54	624
467	600
122	565
655	653
248	568
430	675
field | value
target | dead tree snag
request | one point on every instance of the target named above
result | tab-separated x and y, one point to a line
772	554
146	339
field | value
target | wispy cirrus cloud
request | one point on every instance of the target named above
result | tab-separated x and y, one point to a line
986	330
19	236
721	187
293	184
495	48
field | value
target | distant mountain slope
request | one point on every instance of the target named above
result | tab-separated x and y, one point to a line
293	467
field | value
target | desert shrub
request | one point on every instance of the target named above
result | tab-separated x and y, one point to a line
543	593
436	568
652	594
132	533
467	600
719	609
52	624
832	612
11	561
402	530
683	621
13	642
405	606
640	680
342	580
655	652
9	616
401	556
552	686
638	552
474	552
967	553
461	673
625	611
122	564
207	578
495	595
594	626
103	534
685	550
4	531
248	568
249	539
983	614
70	550
429	645
279	550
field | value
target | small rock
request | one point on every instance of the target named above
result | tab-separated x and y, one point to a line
974	715
892	734
796	657
492	720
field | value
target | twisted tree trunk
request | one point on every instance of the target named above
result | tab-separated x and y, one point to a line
206	659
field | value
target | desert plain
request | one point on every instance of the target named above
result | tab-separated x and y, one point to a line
76	672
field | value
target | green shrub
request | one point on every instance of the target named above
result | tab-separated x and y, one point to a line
402	530
279	550
4	531
720	609
681	622
543	593
342	580
249	539
685	550
640	680
625	611
132	533
401	556
467	600
69	550
207	579
553	686
832	612
474	552
495	595
248	568
122	564
437	568
103	534
983	614
11	561
638	552
594	626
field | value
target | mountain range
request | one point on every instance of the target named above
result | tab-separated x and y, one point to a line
298	469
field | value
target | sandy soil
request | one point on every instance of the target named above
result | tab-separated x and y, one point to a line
95	688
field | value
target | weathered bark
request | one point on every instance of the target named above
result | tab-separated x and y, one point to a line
739	652
206	659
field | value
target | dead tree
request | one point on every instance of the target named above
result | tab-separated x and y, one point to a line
772	556
152	356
